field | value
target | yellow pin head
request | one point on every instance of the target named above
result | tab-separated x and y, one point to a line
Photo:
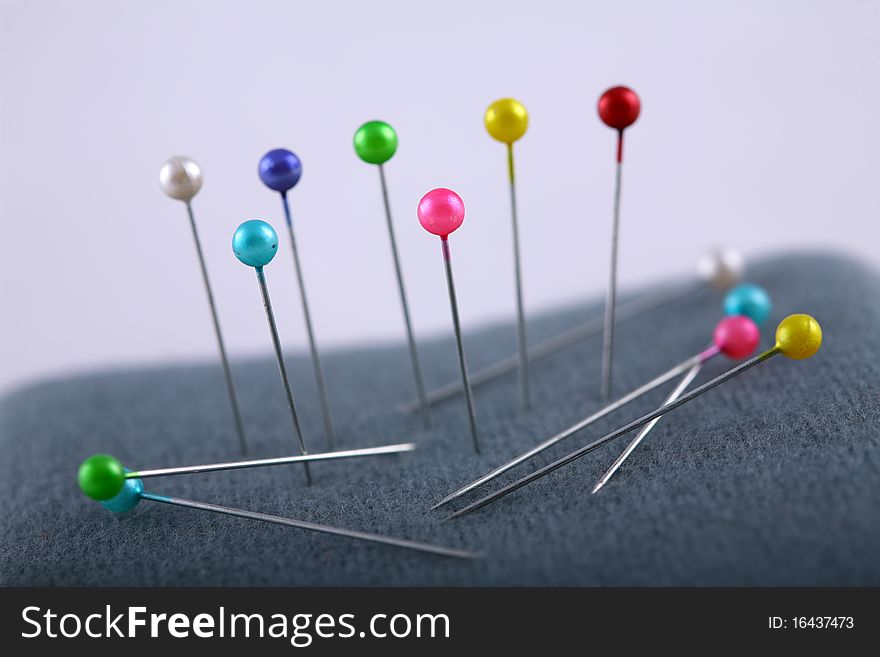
507	120
798	336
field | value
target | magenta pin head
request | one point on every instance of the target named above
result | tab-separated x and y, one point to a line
737	336
441	211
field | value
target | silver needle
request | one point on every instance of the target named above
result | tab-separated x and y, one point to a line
562	435
522	360
635	424
611	298
279	356
469	395
677	392
316	360
411	340
310	526
230	387
282	460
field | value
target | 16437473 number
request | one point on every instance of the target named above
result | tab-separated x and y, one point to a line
811	623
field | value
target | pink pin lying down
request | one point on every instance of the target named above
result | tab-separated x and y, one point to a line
736	336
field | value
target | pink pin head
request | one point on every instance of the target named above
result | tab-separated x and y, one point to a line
441	211
737	336
619	107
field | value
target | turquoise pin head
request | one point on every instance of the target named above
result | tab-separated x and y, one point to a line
749	300
255	243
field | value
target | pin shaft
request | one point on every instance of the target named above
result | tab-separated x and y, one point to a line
570	431
459	343
404	304
611	296
635	424
310	526
279	356
307	316
677	392
282	460
575	335
227	374
521	342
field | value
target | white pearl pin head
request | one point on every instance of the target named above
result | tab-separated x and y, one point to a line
722	267
181	178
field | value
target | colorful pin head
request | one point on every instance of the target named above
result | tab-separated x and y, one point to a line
280	169
798	336
441	211
506	120
749	300
255	243
180	178
722	268
736	336
619	107
101	477
375	142
128	497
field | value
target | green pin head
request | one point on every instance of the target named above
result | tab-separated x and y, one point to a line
375	142
101	477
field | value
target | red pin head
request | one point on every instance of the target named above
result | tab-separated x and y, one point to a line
737	336
441	211
619	107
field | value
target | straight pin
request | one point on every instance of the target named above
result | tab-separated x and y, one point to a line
417	546
441	211
797	337
93	480
255	243
375	142
181	179
280	170
619	108
92	467
677	392
507	121
749	300
282	460
734	336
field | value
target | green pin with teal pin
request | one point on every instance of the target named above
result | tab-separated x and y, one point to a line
103	478
375	142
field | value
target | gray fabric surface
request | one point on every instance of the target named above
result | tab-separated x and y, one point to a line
773	478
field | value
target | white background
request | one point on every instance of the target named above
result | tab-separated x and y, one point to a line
759	129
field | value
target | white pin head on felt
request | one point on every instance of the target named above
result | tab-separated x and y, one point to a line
181	178
721	267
